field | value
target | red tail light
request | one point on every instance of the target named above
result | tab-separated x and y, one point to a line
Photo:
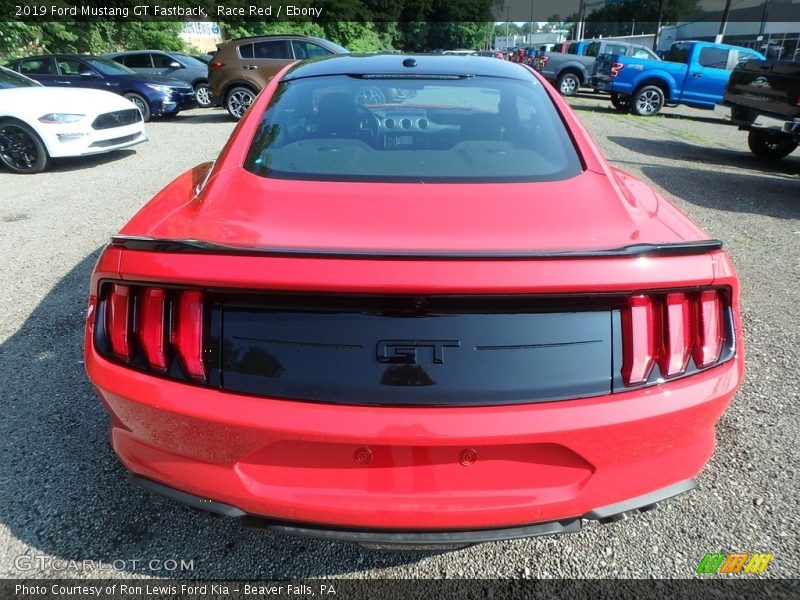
214	65
543	60
118	318
668	329
165	324
616	68
187	332
709	329
639	336
678	334
152	327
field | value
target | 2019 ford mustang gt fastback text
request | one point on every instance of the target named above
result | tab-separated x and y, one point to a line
411	303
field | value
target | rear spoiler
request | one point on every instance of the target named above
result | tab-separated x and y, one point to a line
189	246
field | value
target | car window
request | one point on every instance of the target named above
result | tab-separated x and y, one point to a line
9	79
640	53
481	129
162	61
108	67
572	48
743	57
303	49
68	66
137	61
618	49
271	49
189	61
591	49
677	53
715	58
37	66
246	50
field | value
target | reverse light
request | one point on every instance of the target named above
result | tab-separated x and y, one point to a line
616	68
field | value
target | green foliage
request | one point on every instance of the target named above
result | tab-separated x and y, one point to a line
617	19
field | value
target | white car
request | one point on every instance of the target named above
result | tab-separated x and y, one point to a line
40	123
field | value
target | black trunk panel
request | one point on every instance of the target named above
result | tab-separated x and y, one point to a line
434	355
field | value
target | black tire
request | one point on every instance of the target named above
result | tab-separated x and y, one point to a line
238	100
141	104
771	145
203	94
648	101
568	84
21	149
621	103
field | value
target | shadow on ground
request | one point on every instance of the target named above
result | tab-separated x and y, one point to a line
64	494
686	151
669	116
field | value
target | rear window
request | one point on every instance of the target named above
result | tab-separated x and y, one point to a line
715	58
476	129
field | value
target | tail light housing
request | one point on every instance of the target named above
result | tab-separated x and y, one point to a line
154	328
215	64
679	333
543	61
616	68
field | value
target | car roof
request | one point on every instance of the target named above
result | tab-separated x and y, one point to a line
393	64
275	35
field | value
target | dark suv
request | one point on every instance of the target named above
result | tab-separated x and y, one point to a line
242	68
153	95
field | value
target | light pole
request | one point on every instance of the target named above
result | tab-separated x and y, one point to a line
724	23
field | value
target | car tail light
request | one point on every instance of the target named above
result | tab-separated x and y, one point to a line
187	332
616	68
678	334
669	329
639	335
155	329
152	327
118	319
543	60
214	65
709	329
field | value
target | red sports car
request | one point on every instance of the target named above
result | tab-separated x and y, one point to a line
442	319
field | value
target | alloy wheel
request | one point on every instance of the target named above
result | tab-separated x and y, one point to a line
17	148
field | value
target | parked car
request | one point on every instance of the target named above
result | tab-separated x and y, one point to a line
369	322
153	95
38	124
204	58
692	73
573	68
764	97
241	68
491	54
170	64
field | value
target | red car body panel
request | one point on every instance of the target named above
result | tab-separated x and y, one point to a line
298	460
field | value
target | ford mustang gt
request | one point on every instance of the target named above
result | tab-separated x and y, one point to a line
434	315
38	124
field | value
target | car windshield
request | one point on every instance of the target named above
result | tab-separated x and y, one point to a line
109	67
189	61
442	129
9	80
336	47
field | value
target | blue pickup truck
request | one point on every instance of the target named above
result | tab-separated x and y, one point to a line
692	73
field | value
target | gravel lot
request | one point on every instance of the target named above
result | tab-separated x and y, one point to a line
64	496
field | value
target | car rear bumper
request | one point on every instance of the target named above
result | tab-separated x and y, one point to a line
412	468
422	539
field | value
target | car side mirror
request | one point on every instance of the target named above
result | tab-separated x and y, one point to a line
175	65
88	74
